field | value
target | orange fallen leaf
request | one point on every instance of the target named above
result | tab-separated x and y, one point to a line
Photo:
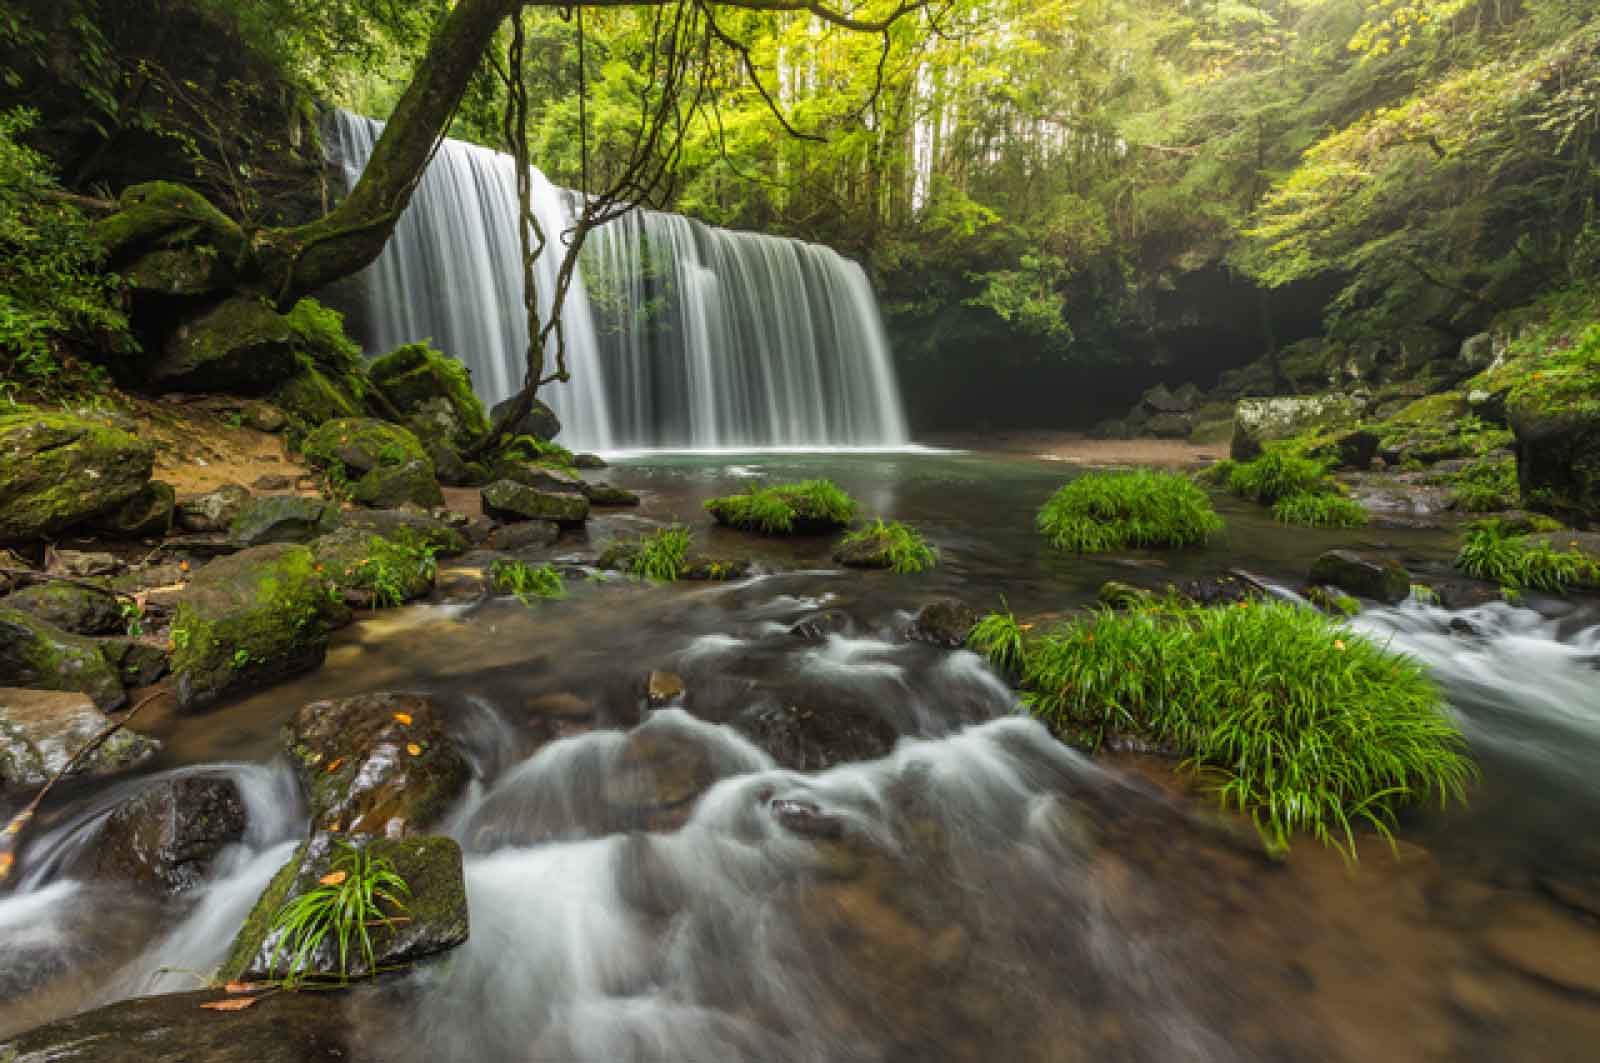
1338	644
403	717
183	566
1025	627
414	749
236	1004
6	860
332	878
243	987
333	765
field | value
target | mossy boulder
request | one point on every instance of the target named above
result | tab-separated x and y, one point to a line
945	622
603	494
435	913
389	486
40	730
434	393
146	515
166	836
1257	422
507	500
1558	456
1380	579
314	397
345	555
167	215
139	661
283	519
177	271
540	421
58	470
409	525
71	607
39	655
241	346
251	619
214	511
357	445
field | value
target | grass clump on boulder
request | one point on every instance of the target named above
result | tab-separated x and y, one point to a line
1298	489
810	506
893	546
1103	511
1491	552
526	582
1308	725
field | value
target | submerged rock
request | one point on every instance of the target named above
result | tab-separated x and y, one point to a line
214	511
70	606
57	471
1380	579
507	500
803	738
283	519
588	461
945	622
819	626
434	918
166	837
41	656
40	731
375	763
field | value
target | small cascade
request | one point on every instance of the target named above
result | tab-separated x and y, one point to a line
679	335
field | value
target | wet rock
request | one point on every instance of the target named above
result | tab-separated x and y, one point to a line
1380	579
70	607
376	763
663	688
600	494
344	553
251	619
945	622
166	836
658	769
543	477
147	514
1475	999
408	524
562	706
868	551
40	731
447	463
1548	946
588	461
818	626
58	471
283	519
214	511
434	919
137	661
41	656
1465	593
178	1028
81	564
434	393
540	421
1257	422
241	346
715	569
524	535
507	500
806	819
810	739
389	486
1332	601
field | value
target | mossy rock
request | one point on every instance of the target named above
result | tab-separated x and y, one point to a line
406	525
506	500
240	346
137	661
70	607
251	619
147	515
40	730
388	486
283	519
58	471
357	445
1257	422
41	656
540	421
1558	458
1380	579
602	494
314	398
178	272
434	393
435	914
165	214
342	555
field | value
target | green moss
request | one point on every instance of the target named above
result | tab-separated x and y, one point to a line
58	470
41	656
321	330
894	546
167	214
432	390
313	398
240	346
1102	511
362	443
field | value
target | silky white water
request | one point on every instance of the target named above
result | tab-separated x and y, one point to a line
678	334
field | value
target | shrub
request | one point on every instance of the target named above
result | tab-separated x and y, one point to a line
1310	726
997	637
1516	561
904	547
345	904
782	508
1278	474
1319	510
1111	510
661	554
526	581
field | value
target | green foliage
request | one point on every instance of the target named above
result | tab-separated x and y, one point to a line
997	637
908	552
343	907
391	567
782	507
661	554
1319	509
1516	562
57	307
1308	725
1486	486
528	448
1278	474
527	582
1029	298
1102	511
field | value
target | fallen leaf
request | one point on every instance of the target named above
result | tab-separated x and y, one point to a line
333	765
236	1004
403	717
6	860
332	878
414	749
243	987
183	566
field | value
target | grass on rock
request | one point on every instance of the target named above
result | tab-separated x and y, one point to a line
998	638
345	905
661	554
1516	562
782	508
526	581
1102	511
1319	510
907	551
1298	489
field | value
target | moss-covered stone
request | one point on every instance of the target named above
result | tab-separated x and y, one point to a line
356	445
240	346
178	271
314	398
40	730
435	910
1257	422
1558	455
58	470
433	392
283	519
540	421
146	515
506	500
164	214
139	662
1380	579
251	619
388	486
408	526
603	494
347	557
69	606
44	657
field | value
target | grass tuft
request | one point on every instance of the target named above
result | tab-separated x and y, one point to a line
344	905
661	554
1518	561
904	547
784	508
1319	510
527	582
997	637
1102	511
1486	486
1278	474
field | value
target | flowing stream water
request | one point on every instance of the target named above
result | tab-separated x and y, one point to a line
710	881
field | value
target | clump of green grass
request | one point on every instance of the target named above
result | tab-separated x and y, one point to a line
1517	561
661	555
1309	726
903	547
344	905
1278	474
997	637
1319	510
526	581
390	568
811	505
1102	511
1486	486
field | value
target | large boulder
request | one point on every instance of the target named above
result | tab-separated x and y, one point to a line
604	494
1380	579
1558	455
945	622
58	470
166	836
506	500
162	214
1257	422
540	421
433	392
241	346
74	607
251	619
147	515
344	555
434	919
314	397
40	730
214	511
389	486
385	464
375	763
42	656
283	519
408	524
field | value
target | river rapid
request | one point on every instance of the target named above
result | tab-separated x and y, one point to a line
858	847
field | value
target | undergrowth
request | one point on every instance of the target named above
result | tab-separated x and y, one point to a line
998	638
390	568
1298	489
1490	552
345	905
1102	511
783	508
661	554
1319	510
527	582
904	547
1488	485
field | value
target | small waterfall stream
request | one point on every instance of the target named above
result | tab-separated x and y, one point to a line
679	335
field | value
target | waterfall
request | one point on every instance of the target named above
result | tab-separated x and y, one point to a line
679	335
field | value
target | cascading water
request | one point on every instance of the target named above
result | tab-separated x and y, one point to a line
678	335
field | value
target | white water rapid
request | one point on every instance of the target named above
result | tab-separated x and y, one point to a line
679	335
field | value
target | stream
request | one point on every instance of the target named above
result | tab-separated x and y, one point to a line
859	847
